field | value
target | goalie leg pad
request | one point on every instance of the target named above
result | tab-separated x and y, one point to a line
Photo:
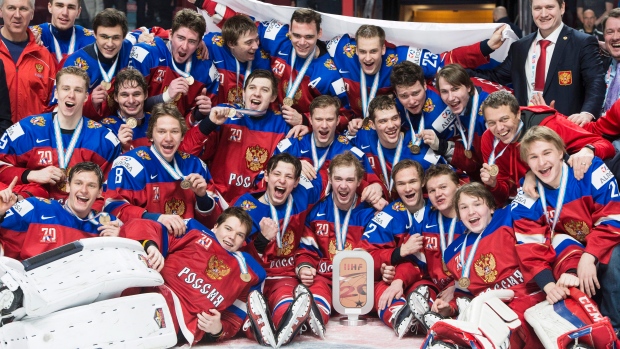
141	321
100	269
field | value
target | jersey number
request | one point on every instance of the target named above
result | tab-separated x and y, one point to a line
614	189
118	175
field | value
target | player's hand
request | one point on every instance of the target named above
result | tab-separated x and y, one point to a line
203	102
298	131
307	169
125	135
429	137
199	184
178	86
395	291
268	228
291	116
98	96
155	258
496	41
486	177
568	280
441	307
37	37
306	275
372	194
580	162
7	197
48	175
146	36
580	118
387	272
112	229
210	322
529	185
354	126
413	245
555	293
218	115
537	99
174	223
586	271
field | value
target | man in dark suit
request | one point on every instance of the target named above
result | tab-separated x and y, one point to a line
571	73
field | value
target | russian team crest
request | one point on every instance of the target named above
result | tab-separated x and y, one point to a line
332	248
565	77
391	59
93	124
343	139
398	206
485	267
428	105
329	64
248	205
108	121
81	63
349	50
216	268
38	121
577	229
174	206
217	40
255	158
39	67
288	244
143	154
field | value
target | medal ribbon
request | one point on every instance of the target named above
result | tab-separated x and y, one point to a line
472	253
91	216
341	230
560	201
492	157
241	260
64	156
468	141
318	163
188	64
373	91
175	172
107	76
292	87
287	217
414	134
248	71
249	112
399	150
71	48
442	234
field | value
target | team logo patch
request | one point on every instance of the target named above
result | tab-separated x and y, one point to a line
204	241
428	105
49	236
174	206
159	318
143	154
480	111
93	124
343	139
391	60
38	121
485	267
39	67
81	63
216	268
565	77
349	50
217	40
108	121
248	205
288	244
255	158
88	32
199	54
332	248
329	64
398	206
47	201
264	54
235	95
37	29
577	229
183	154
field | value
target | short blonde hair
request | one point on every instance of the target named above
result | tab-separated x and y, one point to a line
543	134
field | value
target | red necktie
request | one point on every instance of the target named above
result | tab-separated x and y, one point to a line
539	83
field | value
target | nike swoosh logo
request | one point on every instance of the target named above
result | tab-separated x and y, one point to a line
343	71
233	118
304	151
364	146
153	177
430	226
42	140
408	226
217	62
320	214
162	59
282	54
44	218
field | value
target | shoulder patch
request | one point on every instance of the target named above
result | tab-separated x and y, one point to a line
600	176
391	59
38	121
143	154
112	138
349	50
383	219
93	124
130	164
329	64
87	32
305	182
138	53
108	121
398	206
273	27
37	29
428	105
284	144
81	63
339	86
217	40
332	44
343	139
523	199
23	207
248	205
15	131
414	54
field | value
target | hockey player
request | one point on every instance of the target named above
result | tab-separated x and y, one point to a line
502	166
175	70
206	278
159	182
131	122
335	224
586	211
34	225
42	149
249	135
279	214
62	36
389	242
317	149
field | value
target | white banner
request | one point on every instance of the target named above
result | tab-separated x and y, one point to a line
436	37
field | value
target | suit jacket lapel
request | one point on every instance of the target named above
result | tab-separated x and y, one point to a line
558	52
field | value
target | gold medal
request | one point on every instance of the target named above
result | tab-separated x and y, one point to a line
494	170
131	122
468	153
246	277
464	282
232	112
445	268
104	218
288	101
415	149
186	184
190	80
106	85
